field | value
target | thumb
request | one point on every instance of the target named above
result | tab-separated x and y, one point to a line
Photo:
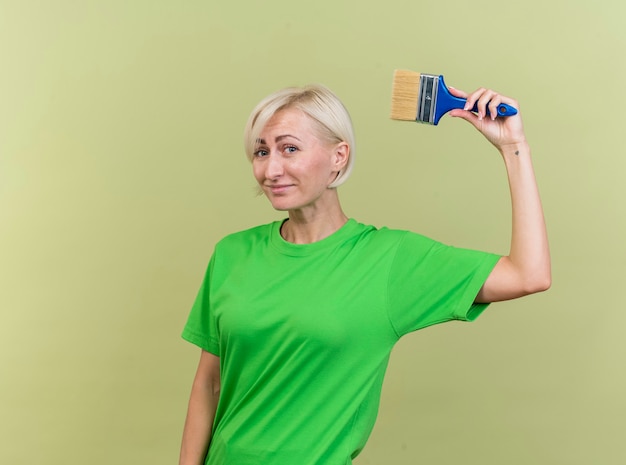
465	114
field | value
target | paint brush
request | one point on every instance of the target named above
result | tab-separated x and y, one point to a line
425	98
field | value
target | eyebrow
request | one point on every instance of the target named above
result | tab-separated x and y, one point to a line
278	138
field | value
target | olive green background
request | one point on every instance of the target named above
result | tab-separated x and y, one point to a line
121	165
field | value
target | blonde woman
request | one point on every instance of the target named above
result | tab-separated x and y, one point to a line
296	318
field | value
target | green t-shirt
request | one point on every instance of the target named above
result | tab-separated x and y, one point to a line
304	333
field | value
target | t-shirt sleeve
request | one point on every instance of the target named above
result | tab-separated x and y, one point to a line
430	283
200	328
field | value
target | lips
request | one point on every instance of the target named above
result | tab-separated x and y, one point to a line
278	189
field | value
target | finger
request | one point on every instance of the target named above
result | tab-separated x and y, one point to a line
457	92
470	117
483	102
473	98
493	105
466	115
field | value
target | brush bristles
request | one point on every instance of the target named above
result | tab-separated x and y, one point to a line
404	94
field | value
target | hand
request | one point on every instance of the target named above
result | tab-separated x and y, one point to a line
500	131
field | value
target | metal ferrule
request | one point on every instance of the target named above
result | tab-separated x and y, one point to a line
427	98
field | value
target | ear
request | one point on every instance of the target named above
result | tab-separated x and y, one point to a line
341	155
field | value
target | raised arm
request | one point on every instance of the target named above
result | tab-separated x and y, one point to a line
201	412
526	270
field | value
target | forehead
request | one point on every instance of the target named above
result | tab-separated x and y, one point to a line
294	122
289	118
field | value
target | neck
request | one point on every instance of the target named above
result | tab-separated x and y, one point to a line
306	228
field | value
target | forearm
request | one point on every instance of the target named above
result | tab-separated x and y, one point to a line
527	268
529	252
198	424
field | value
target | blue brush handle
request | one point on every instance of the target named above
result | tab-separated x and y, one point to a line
446	102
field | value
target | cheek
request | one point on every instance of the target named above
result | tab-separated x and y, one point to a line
257	172
322	167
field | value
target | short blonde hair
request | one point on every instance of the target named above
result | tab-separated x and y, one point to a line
317	102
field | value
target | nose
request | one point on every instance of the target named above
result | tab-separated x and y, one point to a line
274	167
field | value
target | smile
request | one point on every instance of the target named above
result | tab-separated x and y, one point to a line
279	188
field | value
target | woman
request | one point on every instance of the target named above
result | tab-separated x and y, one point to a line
296	319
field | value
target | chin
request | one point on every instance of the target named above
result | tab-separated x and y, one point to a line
282	207
291	202
284	204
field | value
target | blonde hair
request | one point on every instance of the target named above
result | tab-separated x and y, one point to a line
316	101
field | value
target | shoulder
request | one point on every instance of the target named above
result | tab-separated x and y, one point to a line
395	241
388	235
246	238
255	231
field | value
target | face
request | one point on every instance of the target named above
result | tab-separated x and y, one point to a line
293	164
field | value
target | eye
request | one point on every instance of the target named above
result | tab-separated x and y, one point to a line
261	153
291	149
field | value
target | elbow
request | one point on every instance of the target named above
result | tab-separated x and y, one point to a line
541	286
538	283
